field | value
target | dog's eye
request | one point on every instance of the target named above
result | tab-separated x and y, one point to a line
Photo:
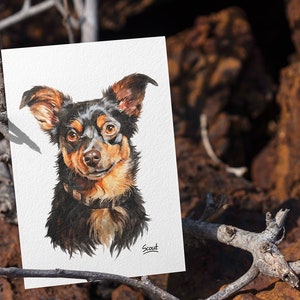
110	129
72	136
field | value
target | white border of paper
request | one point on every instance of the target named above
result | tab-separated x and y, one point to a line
83	71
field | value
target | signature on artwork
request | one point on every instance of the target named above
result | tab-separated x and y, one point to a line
149	249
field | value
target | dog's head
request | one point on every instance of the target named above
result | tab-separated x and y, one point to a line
93	136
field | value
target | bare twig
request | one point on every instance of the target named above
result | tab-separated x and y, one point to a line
5	156
7	197
143	284
79	7
67	21
295	266
64	11
86	11
240	171
89	26
267	258
27	11
3	114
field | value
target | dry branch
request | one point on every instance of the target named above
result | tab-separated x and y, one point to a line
89	28
144	284
7	198
267	258
238	171
26	12
4	155
86	10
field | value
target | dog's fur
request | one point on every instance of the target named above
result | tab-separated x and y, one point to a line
96	200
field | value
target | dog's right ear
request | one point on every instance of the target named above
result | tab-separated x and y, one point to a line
44	103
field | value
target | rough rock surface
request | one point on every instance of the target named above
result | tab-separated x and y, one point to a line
216	69
276	167
115	16
211	67
283	151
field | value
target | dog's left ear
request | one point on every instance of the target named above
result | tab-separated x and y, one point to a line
130	92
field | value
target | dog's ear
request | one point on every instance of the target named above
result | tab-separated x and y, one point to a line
130	92
44	103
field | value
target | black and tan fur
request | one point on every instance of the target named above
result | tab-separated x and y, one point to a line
96	200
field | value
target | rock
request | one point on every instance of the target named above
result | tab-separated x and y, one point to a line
217	70
6	292
115	16
280	159
293	16
281	291
124	292
9	245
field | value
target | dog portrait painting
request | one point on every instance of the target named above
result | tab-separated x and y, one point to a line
96	200
93	158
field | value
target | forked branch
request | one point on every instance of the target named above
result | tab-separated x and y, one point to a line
86	10
267	258
27	11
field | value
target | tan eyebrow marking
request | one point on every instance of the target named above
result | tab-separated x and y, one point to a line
101	120
77	126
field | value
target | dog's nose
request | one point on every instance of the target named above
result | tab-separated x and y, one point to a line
92	158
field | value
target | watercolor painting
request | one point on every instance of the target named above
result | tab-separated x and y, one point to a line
93	157
96	200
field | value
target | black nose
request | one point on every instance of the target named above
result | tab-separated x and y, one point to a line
92	158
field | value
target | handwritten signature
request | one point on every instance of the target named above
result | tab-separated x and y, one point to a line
149	249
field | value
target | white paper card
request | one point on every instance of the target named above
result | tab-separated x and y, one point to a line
84	71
